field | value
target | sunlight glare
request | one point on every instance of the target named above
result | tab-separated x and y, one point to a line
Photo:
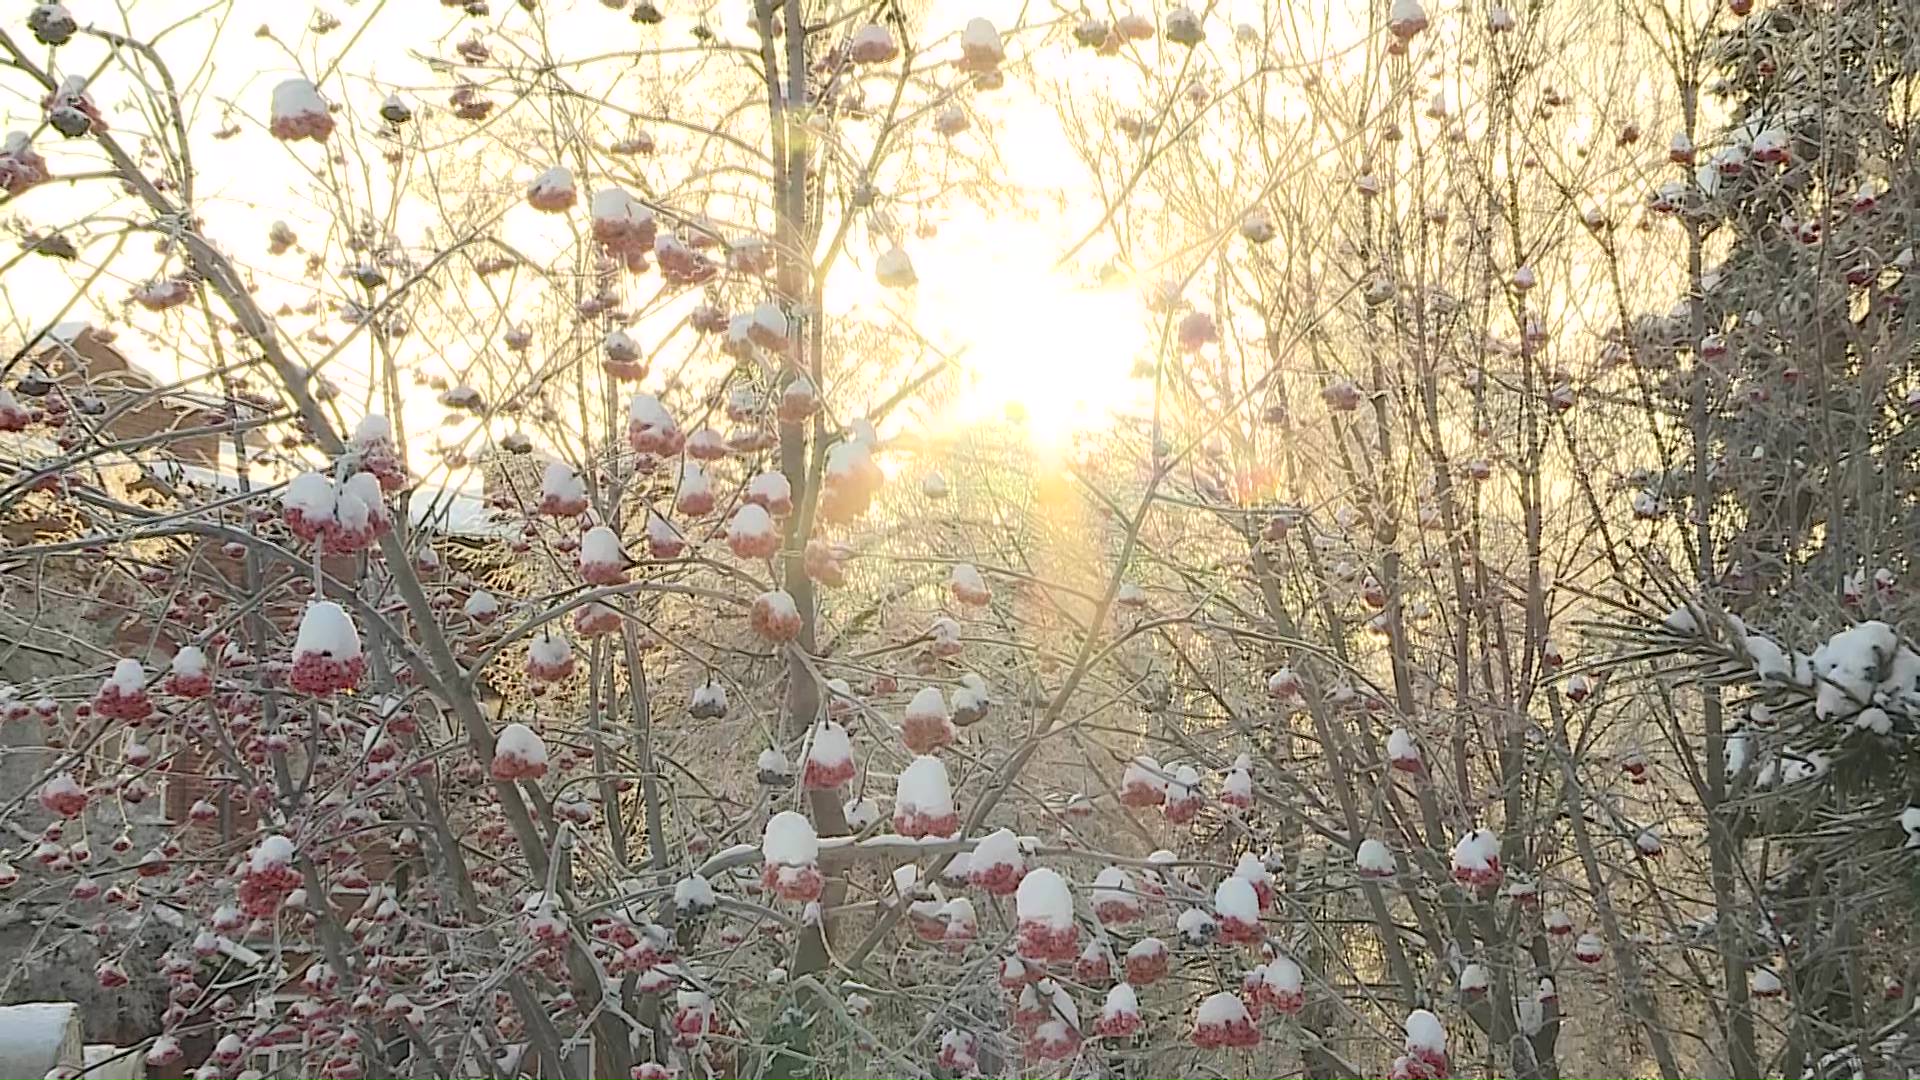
1038	343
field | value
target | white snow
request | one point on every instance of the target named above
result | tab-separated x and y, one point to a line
518	741
710	694
646	411
619	345
1195	923
189	662
773	763
1849	667
1373	857
616	204
1234	898
958	912
750	522
693	892
560	483
326	630
311	493
1250	869
905	877
1062	1002
602	545
1407	17
895	267
1765	982
770	487
296	97
130	678
1044	898
790	840
1425	1032
923	788
1144	771
769	319
1238	785
873	39
928	704
981	42
549	650
863	812
1401	747
1769	659
1282	974
693	480
1474	978
1222	1009
830	746
972	694
372	429
662	531
1114	885
1476	851
1121	1001
360	502
556	179
1682	620
998	848
847	461
271	853
1738	752
1184	783
778	605
966	577
1146	949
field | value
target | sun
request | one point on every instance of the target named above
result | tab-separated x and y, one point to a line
1034	343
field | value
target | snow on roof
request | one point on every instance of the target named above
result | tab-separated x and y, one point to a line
37	1036
447	511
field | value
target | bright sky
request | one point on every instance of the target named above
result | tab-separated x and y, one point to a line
1029	335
